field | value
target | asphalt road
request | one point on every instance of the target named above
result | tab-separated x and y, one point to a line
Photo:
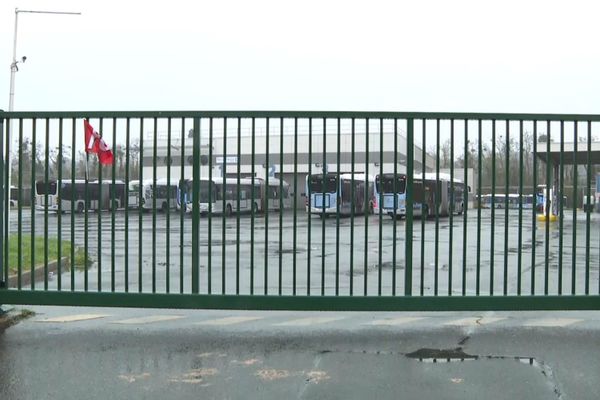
70	353
245	255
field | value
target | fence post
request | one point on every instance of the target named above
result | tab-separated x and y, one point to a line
196	209
410	149
3	272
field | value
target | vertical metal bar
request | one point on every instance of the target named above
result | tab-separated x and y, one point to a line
4	205
589	211
196	208
154	194
73	173
253	211
280	276
224	196
237	214
20	211
99	211
466	197
534	210
295	234
141	207
338	203
547	207
60	210
5	159
113	209
438	194
352	203
366	206
575	203
212	194
266	193
183	198
168	216
323	197
394	233
409	206
451	216
560	203
506	190
479	173
33	199
521	194
127	154
309	205
422	274
47	188
380	208
493	208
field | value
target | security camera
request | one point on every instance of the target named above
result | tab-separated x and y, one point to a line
24	59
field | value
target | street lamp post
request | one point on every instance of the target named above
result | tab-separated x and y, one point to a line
13	66
11	101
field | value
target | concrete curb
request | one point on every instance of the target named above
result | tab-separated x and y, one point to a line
38	273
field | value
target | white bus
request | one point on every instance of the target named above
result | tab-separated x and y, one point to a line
275	195
162	196
429	191
133	193
323	195
72	195
212	199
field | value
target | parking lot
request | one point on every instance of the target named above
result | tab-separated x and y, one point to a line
246	256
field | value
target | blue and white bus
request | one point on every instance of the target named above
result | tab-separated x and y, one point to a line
212	199
428	191
324	194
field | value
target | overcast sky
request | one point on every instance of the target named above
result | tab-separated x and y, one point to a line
509	56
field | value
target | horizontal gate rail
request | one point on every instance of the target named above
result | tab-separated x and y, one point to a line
301	210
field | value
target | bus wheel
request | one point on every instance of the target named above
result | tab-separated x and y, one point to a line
229	210
80	208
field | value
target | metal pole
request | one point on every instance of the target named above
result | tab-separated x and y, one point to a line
13	71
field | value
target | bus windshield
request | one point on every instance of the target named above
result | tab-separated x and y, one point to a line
317	185
388	184
40	187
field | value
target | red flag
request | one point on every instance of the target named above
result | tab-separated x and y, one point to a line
95	144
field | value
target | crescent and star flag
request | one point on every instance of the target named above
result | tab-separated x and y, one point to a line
95	144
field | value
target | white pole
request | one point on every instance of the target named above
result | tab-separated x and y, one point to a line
11	98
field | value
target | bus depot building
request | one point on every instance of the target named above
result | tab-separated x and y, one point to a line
290	157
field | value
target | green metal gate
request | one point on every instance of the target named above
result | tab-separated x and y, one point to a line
301	210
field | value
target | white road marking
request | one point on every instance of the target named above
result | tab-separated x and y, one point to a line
148	320
73	318
228	321
309	321
474	321
394	321
553	322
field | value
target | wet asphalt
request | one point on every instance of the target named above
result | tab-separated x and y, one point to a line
157	354
74	353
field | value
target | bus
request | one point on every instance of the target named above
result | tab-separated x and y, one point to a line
212	199
133	193
275	195
324	192
72	195
163	195
513	199
393	197
428	191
